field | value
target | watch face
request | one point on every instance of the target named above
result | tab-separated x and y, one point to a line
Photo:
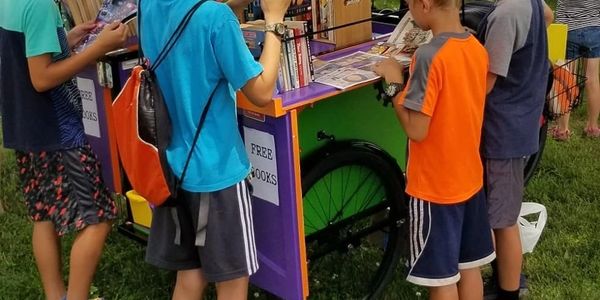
390	90
280	29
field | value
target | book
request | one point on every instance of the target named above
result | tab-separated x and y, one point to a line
110	11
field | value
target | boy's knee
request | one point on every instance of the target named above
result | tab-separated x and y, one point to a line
191	280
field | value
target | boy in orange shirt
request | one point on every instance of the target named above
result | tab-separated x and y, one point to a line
441	110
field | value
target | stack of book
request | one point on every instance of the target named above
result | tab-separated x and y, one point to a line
296	67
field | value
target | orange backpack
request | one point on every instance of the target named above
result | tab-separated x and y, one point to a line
143	127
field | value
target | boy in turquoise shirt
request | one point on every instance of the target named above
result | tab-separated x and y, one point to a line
41	115
211	239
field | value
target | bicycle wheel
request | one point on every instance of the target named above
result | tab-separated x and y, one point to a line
353	217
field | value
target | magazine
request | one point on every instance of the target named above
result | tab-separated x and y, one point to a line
347	71
110	11
404	40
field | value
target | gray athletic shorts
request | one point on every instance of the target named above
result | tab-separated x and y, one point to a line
504	186
212	231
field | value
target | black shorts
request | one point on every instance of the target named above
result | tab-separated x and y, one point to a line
65	187
212	231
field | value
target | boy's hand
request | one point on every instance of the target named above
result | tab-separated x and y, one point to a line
390	69
274	10
78	32
112	37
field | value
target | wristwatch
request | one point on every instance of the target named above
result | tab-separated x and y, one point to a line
393	88
277	28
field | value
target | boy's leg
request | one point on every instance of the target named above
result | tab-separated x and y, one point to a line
36	181
85	255
435	235
190	284
505	187
236	289
476	249
510	257
447	292
83	204
46	249
470	286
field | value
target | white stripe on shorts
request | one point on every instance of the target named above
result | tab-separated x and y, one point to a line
250	224
421	219
411	218
244	230
419	239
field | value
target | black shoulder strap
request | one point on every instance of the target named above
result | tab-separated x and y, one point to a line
172	39
197	135
160	58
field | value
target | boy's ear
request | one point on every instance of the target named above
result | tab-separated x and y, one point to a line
426	4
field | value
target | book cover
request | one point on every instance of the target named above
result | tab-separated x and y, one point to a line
110	11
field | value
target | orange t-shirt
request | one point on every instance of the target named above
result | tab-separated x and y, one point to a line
447	83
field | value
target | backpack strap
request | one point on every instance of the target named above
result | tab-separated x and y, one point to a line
172	39
196	136
161	57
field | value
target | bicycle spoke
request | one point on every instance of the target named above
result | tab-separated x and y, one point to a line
346	202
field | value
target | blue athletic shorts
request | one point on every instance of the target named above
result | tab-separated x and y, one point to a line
584	42
447	238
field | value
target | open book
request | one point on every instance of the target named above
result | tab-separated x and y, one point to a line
110	11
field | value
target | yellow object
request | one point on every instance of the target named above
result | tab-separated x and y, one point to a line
140	209
557	42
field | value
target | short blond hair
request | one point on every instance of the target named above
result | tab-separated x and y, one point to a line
446	3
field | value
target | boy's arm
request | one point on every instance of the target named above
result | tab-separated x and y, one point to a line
490	82
259	89
548	14
46	75
415	124
501	42
414	119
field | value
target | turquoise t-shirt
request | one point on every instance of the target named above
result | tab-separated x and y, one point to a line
33	121
210	54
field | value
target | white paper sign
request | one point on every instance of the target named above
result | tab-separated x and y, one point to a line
263	157
90	107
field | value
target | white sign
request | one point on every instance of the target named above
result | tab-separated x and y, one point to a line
90	106
263	157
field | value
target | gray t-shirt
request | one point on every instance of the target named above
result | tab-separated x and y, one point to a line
507	31
516	40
